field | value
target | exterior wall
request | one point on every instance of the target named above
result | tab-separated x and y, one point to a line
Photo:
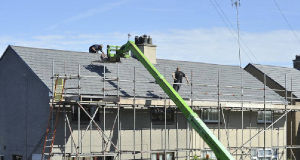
92	141
293	130
293	136
24	108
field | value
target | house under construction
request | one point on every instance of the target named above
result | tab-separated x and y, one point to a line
118	111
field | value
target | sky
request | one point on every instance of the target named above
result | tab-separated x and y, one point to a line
194	30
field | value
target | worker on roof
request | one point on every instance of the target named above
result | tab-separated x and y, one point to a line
177	76
96	48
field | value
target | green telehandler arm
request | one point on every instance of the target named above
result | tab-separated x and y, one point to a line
211	140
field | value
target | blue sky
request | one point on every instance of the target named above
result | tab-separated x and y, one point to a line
184	30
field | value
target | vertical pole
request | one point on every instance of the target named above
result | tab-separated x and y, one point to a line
120	130
250	125
291	150
285	106
187	140
150	133
272	128
65	132
291	141
73	110
103	140
104	127
165	124
177	134
265	123
78	125
104	74
118	95
192	102
242	106
134	114
219	111
165	117
79	130
53	88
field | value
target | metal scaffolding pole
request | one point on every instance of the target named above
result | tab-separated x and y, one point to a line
242	105
291	99
192	102
65	132
165	125
150	134
219	109
118	105
104	76
177	133
265	123
78	109
165	120
134	114
104	127
285	106
187	140
250	125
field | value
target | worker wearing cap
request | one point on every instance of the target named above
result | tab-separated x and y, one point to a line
96	48
177	76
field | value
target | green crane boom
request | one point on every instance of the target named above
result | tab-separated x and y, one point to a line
219	150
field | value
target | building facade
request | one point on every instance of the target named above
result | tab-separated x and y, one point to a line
132	118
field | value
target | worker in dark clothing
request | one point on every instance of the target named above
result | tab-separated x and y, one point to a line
96	48
177	76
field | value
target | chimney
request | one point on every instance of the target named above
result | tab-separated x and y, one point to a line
297	62
145	45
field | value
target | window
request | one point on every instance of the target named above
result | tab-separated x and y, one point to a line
260	116
158	116
17	157
210	115
258	154
1	157
208	154
161	156
92	158
83	116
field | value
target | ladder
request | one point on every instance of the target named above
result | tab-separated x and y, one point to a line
51	128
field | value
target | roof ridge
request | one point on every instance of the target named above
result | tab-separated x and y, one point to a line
49	49
197	62
273	66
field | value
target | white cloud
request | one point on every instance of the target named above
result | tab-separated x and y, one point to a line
215	45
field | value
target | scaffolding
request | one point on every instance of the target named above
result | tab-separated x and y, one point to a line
104	103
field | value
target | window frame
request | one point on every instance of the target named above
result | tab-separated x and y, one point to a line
163	155
204	153
170	119
84	118
209	112
268	119
258	156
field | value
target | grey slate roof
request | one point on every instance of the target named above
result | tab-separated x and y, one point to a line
278	73
66	62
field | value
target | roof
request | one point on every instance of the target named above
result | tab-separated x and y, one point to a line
45	61
278	73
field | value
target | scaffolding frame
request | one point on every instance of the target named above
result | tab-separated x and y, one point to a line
189	132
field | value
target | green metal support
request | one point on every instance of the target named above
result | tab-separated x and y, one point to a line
211	140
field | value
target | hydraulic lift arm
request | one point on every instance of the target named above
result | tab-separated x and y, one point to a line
211	140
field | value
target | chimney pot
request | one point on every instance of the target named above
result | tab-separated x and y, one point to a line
145	45
296	62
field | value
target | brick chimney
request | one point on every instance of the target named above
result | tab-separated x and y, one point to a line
297	62
145	45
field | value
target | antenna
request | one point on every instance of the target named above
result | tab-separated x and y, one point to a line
129	35
237	4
